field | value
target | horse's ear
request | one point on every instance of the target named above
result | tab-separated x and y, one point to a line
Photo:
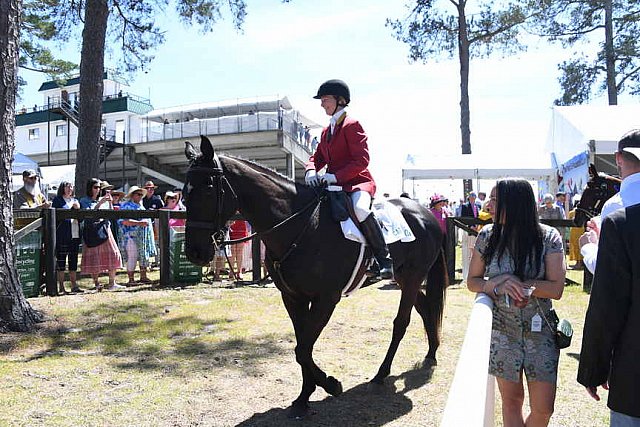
206	148
592	170
189	151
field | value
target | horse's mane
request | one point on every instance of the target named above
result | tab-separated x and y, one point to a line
273	175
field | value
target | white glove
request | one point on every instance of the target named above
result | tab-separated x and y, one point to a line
312	178
329	178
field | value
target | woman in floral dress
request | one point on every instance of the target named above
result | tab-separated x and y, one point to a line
512	258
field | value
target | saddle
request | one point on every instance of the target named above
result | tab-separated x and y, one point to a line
394	228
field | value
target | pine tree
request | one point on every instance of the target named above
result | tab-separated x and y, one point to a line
433	33
16	314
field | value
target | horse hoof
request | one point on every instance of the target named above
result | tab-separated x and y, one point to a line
429	362
298	411
333	387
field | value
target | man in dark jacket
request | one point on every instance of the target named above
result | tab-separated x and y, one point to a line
472	207
610	344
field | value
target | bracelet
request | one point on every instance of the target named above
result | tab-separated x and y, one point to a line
495	290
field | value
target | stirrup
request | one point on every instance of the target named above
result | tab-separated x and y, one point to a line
386	273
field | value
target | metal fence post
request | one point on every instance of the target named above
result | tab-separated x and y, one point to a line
50	251
450	250
163	242
255	259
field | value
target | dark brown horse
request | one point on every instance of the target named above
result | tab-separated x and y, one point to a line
598	190
307	256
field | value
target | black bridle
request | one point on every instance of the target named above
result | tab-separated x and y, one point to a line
216	182
602	191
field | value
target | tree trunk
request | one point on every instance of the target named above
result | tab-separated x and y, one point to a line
610	60
465	113
463	52
91	91
16	314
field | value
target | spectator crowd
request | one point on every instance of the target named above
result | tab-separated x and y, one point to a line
101	246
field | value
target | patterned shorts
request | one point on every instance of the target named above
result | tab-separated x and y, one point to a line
535	353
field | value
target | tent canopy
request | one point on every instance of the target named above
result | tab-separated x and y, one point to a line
472	166
595	128
21	163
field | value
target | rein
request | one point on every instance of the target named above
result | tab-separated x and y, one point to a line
315	202
217	177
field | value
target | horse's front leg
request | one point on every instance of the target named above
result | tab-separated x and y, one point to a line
308	322
409	287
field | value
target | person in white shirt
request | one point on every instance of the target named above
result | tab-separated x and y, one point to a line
628	162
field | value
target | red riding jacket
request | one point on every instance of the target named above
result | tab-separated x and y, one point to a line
346	155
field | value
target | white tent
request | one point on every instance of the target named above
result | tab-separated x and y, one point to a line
52	176
589	128
21	163
473	166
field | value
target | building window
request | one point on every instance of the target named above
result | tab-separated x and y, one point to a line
34	133
61	130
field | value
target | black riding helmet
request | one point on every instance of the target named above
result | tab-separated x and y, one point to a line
335	88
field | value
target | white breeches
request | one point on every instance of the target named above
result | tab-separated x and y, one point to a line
361	202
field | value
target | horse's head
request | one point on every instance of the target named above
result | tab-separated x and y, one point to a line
210	202
598	190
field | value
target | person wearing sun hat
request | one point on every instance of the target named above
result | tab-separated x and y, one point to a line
151	201
171	200
437	208
136	236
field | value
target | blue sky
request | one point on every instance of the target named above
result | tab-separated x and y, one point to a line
289	49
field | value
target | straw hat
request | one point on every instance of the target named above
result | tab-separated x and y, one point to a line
135	188
170	194
150	184
118	193
104	185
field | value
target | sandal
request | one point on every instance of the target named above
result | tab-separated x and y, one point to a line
144	280
76	290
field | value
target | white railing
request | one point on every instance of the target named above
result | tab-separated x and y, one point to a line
471	400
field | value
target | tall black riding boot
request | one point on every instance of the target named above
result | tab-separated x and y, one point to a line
372	232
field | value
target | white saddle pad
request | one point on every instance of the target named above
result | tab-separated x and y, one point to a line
394	226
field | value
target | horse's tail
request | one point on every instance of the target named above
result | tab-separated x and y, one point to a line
437	282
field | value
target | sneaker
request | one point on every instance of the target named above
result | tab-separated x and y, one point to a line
115	287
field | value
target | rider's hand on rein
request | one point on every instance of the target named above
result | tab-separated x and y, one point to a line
312	178
329	178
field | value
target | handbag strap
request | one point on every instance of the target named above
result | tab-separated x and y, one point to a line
544	317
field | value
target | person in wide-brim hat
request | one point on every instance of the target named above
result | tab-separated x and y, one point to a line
134	189
104	185
437	198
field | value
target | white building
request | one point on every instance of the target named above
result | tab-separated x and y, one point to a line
138	142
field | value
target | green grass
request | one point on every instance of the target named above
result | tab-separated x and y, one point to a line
206	355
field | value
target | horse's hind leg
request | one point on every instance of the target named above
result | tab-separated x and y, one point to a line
407	300
308	323
433	336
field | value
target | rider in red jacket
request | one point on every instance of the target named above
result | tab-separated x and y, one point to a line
343	150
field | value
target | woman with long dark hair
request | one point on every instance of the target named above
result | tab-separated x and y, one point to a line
106	256
520	264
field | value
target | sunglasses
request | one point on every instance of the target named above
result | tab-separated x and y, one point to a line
96	187
137	194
